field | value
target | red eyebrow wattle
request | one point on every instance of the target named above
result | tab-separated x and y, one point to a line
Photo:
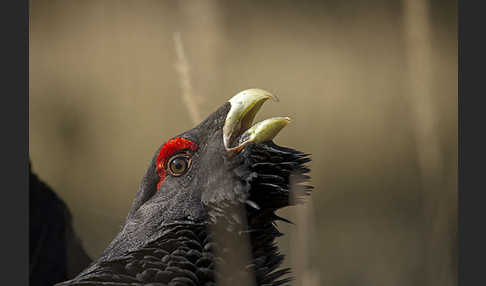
172	146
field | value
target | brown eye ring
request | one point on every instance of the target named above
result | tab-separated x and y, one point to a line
178	164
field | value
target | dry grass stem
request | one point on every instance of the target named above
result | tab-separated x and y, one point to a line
182	68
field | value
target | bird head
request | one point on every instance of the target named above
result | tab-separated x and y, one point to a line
225	171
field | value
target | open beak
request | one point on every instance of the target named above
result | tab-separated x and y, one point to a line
238	130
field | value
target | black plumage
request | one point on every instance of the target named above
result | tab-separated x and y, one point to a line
194	226
55	253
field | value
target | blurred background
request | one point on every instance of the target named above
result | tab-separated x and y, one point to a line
371	87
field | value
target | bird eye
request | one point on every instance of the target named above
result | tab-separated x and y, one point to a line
178	164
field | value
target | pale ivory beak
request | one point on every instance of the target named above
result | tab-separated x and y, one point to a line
237	129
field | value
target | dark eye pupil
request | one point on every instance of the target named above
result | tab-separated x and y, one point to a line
178	165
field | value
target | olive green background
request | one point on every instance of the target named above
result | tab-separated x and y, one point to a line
371	87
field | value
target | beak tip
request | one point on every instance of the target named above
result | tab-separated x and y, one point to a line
274	98
257	92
